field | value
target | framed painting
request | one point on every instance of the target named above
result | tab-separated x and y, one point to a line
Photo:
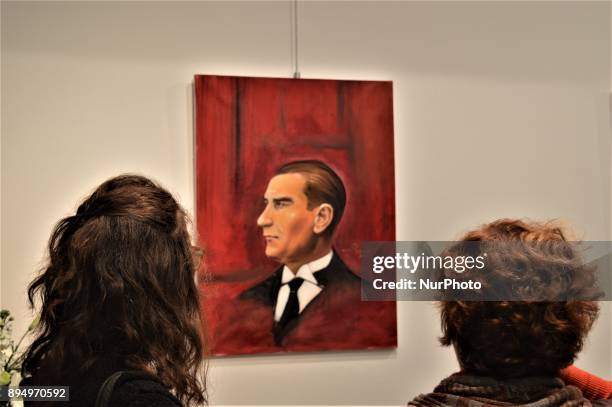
291	176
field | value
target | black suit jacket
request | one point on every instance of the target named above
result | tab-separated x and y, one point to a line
333	278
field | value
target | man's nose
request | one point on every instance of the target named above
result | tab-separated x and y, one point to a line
264	219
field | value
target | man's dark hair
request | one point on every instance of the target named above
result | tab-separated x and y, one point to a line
522	338
323	185
119	286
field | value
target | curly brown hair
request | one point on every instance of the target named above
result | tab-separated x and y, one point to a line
522	338
119	284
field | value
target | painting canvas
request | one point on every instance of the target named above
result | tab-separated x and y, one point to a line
292	175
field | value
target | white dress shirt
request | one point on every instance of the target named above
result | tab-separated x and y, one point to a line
308	290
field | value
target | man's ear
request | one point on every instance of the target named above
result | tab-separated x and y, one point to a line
323	218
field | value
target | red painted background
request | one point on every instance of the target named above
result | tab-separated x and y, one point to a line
245	129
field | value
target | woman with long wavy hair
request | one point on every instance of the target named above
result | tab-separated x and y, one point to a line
118	294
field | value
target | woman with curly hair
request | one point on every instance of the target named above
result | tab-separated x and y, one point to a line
118	294
513	352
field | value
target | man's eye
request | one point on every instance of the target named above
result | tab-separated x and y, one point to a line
280	204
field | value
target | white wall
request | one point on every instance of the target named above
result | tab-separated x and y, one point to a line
501	109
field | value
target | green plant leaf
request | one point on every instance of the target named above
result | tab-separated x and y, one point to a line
5	378
34	324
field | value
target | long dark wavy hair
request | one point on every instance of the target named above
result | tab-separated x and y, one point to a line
119	283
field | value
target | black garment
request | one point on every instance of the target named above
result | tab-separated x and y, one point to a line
134	389
292	308
334	276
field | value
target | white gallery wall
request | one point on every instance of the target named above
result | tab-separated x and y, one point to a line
501	110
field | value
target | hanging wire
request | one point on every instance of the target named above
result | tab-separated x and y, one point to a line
296	73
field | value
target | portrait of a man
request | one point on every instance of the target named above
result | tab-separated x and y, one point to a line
291	177
304	202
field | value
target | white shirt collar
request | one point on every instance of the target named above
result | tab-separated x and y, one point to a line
307	291
307	270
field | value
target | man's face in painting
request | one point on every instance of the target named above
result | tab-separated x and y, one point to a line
286	221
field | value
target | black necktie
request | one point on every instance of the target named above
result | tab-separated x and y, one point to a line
292	308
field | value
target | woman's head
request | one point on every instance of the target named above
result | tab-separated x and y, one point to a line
522	338
119	285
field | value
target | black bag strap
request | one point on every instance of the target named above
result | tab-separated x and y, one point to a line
106	390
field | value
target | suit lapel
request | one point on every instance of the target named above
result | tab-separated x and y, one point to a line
265	292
